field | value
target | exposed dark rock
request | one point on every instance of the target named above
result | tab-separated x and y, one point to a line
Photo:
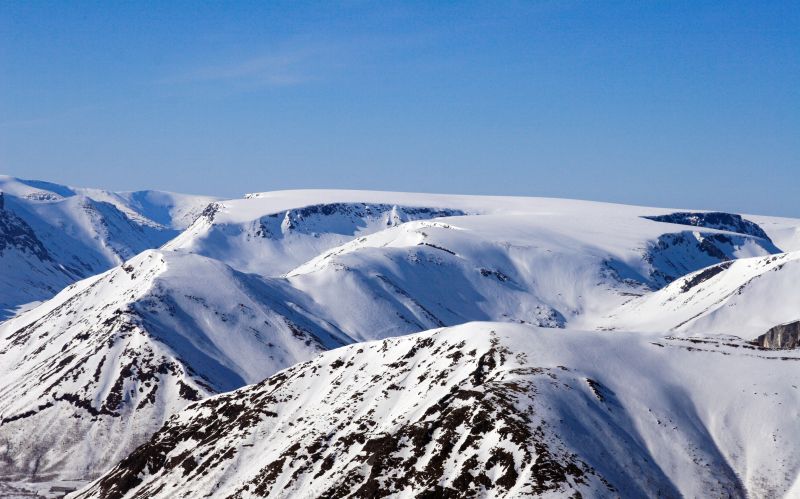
351	216
674	255
211	211
713	220
781	337
704	276
16	233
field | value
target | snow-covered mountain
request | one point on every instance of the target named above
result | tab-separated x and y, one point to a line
272	233
743	297
490	410
115	354
258	284
52	235
536	260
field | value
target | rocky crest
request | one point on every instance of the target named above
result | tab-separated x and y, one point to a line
713	220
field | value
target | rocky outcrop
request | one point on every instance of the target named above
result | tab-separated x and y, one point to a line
713	220
344	218
781	337
15	233
674	255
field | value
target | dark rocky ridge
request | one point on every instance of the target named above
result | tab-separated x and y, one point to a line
713	220
440	414
349	217
674	255
487	403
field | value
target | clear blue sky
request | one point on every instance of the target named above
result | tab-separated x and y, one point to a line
687	104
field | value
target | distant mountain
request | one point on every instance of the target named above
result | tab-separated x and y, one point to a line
52	235
379	264
489	410
744	297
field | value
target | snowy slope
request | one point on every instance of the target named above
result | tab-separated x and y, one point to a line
271	233
91	373
491	410
52	235
168	209
745	297
784	232
122	351
381	263
257	239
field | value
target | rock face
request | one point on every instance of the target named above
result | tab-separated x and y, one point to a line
713	220
781	337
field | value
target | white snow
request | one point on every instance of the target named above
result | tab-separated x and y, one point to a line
77	232
259	284
650	416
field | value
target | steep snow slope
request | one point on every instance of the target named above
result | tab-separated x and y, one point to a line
493	410
169	209
52	235
745	297
94	371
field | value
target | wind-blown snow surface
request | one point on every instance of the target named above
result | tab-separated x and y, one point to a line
52	235
490	409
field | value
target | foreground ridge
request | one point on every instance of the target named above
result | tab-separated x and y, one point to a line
488	409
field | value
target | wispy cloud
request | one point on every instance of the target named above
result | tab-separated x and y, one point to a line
281	67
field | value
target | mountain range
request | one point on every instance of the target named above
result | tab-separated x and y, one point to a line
326	343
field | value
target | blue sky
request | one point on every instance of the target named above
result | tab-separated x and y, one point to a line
684	104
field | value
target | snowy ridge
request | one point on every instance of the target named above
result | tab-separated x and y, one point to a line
535	260
744	297
52	235
117	353
272	243
489	410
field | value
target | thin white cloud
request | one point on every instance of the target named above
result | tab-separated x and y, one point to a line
284	67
